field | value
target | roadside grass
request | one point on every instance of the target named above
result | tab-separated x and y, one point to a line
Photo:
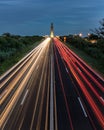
96	64
9	62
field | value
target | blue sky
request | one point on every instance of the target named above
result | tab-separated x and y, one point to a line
33	17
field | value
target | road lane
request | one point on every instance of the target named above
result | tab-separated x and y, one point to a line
49	89
21	87
89	93
51	96
76	118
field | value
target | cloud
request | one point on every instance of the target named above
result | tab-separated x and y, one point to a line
40	13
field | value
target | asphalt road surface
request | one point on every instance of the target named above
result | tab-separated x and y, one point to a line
51	88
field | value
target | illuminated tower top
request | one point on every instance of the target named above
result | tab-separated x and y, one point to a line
52	32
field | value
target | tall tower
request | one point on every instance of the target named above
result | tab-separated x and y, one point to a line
51	31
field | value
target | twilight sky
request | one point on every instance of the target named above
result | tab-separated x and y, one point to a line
33	17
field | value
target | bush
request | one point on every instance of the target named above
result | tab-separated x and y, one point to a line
95	50
11	44
100	44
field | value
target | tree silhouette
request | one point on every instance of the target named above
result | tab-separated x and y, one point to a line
100	31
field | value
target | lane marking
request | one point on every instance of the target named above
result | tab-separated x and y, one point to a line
67	70
82	107
51	98
56	123
102	99
37	67
34	50
21	123
47	109
24	97
12	103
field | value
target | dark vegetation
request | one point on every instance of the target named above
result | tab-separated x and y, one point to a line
14	47
99	31
92	46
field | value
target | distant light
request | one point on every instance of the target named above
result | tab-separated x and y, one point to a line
58	37
88	34
80	34
52	35
64	39
93	41
52	31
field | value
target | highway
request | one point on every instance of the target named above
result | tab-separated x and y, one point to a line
51	88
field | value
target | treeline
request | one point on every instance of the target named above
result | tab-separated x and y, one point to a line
95	50
12	44
93	45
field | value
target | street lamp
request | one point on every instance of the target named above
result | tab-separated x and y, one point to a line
80	34
88	34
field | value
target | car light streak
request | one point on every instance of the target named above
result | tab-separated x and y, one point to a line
12	84
51	88
51	97
80	62
72	66
70	120
39	89
87	72
19	90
